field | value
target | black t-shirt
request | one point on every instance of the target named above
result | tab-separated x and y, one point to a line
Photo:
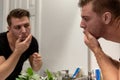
6	52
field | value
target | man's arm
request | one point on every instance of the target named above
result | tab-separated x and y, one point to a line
35	61
119	70
108	66
115	62
7	66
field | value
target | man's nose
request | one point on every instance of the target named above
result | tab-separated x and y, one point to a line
23	29
82	25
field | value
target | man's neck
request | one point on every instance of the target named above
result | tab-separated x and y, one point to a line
113	31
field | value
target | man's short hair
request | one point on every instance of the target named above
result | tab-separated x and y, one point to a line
101	6
17	13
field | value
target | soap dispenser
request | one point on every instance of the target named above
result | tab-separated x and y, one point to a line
66	77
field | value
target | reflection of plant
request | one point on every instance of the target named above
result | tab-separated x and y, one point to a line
29	75
49	76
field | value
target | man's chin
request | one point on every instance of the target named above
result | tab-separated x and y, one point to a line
22	39
97	37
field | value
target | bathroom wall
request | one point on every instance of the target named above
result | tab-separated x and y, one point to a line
1	15
62	45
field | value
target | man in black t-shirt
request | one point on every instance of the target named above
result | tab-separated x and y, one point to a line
17	45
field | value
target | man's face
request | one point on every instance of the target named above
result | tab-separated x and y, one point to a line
20	27
91	21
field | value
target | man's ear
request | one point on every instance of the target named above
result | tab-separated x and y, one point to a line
107	17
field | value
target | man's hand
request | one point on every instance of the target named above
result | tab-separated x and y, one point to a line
22	46
36	61
91	41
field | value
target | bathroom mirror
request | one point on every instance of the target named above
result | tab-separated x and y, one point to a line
56	25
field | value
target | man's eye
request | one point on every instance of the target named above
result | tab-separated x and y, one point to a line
26	25
17	27
85	18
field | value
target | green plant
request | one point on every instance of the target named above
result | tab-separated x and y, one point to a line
29	75
49	75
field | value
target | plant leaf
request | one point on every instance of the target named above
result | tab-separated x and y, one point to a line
49	74
29	71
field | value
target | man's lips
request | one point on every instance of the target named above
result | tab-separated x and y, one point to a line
22	38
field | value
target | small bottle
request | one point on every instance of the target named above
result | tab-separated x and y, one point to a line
98	74
93	75
66	77
90	76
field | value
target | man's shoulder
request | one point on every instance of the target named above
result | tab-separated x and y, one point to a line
3	38
34	42
3	35
34	39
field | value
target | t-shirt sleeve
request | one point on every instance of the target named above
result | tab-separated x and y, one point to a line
4	48
1	49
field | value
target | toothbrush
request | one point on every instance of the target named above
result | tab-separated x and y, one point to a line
76	72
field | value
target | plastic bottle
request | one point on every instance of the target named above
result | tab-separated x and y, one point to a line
66	77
